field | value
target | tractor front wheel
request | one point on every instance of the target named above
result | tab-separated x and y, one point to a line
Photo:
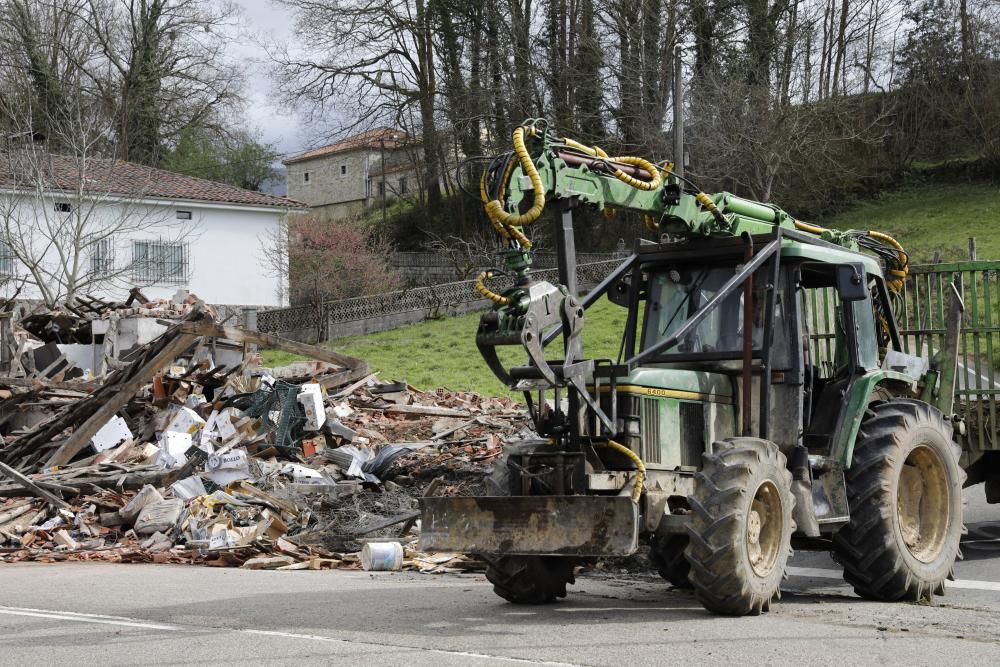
530	579
740	527
904	488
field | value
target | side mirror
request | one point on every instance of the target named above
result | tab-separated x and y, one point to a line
852	284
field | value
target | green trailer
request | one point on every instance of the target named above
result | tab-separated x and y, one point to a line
922	316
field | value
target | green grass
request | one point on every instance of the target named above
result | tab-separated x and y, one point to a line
443	353
933	218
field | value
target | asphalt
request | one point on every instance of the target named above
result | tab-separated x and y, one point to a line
75	613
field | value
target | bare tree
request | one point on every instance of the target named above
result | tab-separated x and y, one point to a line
167	69
374	61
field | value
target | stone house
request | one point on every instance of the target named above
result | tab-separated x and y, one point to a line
345	178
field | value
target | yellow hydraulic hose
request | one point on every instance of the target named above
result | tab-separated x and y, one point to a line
508	224
594	151
480	284
645	165
806	227
640	474
494	208
485	197
895	277
898	276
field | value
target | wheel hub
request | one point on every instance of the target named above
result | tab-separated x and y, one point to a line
922	500
764	529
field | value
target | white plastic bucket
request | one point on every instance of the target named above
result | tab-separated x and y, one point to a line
382	556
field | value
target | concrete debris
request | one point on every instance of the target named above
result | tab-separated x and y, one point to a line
172	457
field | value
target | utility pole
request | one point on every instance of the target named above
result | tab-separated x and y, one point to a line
381	141
678	112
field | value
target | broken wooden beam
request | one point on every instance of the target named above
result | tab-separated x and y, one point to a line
33	488
238	335
119	399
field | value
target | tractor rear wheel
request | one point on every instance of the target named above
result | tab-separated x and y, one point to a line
904	488
667	554
740	526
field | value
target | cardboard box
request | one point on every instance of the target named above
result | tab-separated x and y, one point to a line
173	448
228	468
219	426
112	434
187	421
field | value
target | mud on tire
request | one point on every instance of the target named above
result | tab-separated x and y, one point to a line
904	488
740	527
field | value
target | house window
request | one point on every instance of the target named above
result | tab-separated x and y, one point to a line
343	170
63	207
101	258
381	188
402	186
183	215
159	262
6	260
305	177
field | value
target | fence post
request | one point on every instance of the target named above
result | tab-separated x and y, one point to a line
972	248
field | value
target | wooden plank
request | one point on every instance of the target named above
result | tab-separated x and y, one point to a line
430	410
119	399
238	335
50	498
347	391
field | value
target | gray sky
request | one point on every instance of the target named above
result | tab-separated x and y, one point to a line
264	19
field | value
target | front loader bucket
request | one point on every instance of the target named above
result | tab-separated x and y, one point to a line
531	525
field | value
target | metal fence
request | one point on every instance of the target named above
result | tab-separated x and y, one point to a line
922	324
319	323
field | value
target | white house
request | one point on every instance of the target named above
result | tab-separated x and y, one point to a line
94	226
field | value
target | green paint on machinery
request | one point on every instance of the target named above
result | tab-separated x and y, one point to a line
760	361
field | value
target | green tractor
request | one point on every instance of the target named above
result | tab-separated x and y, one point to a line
760	399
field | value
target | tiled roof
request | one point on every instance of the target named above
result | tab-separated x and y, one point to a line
370	140
127	179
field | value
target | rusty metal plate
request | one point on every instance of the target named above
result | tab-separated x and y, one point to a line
531	525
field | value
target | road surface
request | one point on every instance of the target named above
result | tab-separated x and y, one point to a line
175	615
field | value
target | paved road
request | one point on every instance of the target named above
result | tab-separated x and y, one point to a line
175	615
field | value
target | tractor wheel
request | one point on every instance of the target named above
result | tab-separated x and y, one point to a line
667	554
524	579
904	488
741	527
530	579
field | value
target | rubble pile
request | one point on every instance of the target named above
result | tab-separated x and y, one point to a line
170	458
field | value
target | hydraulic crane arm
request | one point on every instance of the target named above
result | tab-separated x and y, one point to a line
548	171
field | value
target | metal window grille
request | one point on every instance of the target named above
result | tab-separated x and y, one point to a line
6	260
160	262
102	260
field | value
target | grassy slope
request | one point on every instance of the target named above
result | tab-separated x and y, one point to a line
933	218
442	353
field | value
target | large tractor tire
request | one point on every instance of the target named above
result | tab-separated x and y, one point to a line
667	554
740	527
525	579
904	488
